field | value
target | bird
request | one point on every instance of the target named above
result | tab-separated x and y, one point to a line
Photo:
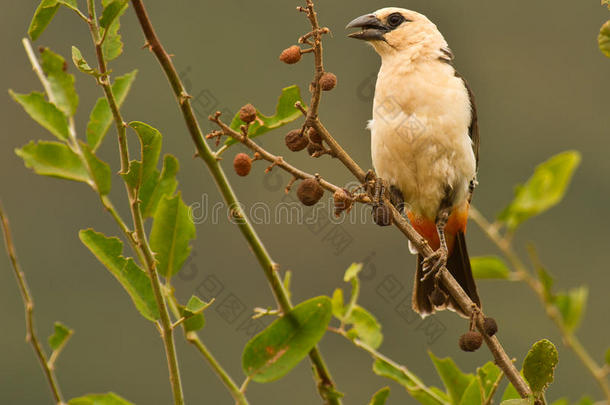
424	144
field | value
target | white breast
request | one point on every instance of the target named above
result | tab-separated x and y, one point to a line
420	140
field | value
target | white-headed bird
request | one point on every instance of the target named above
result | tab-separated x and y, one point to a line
424	143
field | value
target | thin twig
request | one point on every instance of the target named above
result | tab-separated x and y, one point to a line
167	332
28	303
525	275
326	386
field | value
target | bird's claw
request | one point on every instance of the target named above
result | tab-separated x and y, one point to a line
433	263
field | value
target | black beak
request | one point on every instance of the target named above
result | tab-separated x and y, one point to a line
372	28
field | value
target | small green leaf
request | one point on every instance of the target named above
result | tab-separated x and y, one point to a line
193	312
489	267
337	304
454	379
543	190
61	83
365	327
510	393
607	357
60	336
481	386
101	116
414	386
282	345
546	280
112	46
285	112
150	141
194	323
44	113
81	63
135	281
539	366
352	272
71	4
603	39
100	399
380	396
102	176
571	305
585	401
54	159
111	11
195	305
42	17
158	186
171	233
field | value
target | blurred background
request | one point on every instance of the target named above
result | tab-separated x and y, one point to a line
541	87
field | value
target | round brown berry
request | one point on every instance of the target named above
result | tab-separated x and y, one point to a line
295	141
343	201
247	113
438	297
242	164
310	192
291	55
313	148
314	136
328	81
470	341
382	215
490	326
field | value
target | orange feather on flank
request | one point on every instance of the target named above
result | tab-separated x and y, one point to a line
427	227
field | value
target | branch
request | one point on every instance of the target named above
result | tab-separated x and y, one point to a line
503	243
29	312
167	332
326	386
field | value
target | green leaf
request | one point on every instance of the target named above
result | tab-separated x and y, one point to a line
150	147
481	386
102	176
352	272
414	386
100	399
101	116
158	186
585	401
337	304
60	336
607	357
81	63
365	327
71	4
44	113
603	39
454	379
171	233
380	396
42	17
510	393
62	83
112	45
193	312
571	305
111	11
546	280
282	345
539	366
489	267
285	112
135	281
54	159
543	190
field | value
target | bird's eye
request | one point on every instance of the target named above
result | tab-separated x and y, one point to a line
394	20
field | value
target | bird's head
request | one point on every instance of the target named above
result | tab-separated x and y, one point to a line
396	30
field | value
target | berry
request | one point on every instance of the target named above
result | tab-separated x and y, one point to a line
438	297
343	201
242	164
382	215
328	81
247	113
314	136
295	141
310	192
291	55
490	326
470	341
313	148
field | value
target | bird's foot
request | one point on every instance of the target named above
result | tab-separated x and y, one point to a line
433	263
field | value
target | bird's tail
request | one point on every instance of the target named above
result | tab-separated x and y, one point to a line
458	265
